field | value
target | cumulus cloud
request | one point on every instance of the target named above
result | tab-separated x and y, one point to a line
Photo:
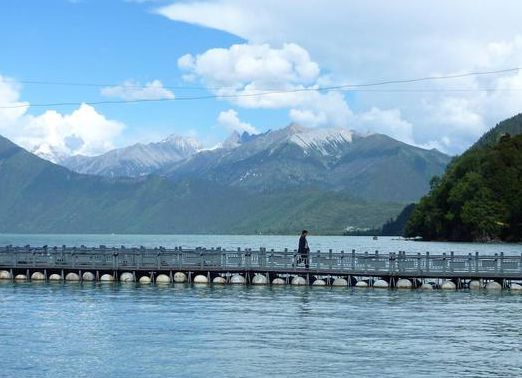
261	76
53	134
253	68
132	90
455	121
11	107
317	109
229	120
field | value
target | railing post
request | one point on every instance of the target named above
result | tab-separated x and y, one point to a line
330	258
248	259
419	263
114	263
476	262
496	263
353	260
470	259
445	262
452	255
501	262
427	261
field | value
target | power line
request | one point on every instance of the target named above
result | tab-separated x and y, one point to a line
427	78
344	87
208	97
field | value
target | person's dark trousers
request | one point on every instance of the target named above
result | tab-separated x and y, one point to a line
305	259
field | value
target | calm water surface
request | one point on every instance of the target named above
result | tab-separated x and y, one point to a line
84	330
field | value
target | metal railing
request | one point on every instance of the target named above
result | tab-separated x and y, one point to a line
218	259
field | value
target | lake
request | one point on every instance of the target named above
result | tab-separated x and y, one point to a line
85	330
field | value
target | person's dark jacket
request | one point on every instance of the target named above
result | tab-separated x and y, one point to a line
303	246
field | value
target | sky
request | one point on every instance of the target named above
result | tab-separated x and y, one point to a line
196	68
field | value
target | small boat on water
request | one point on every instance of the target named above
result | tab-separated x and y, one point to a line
375	237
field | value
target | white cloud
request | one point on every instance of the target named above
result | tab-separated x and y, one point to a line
250	67
10	97
358	42
387	122
317	109
283	76
133	90
361	38
53	134
230	120
457	120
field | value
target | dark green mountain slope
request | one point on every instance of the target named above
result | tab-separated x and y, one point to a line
384	168
478	198
511	126
397	226
38	196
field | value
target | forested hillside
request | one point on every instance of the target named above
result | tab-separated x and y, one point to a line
511	126
479	198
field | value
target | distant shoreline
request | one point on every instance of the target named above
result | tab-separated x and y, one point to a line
368	237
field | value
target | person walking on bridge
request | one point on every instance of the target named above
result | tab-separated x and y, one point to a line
303	251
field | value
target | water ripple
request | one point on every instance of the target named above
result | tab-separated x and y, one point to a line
115	330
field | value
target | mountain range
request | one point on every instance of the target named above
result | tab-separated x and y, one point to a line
275	182
374	167
38	196
136	160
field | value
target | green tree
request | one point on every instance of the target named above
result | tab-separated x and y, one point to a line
478	198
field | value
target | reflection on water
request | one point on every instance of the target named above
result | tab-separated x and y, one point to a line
96	329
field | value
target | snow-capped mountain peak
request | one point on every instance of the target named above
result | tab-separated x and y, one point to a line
183	143
50	153
236	139
319	137
232	141
136	160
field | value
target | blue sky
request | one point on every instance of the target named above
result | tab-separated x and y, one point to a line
232	47
110	41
